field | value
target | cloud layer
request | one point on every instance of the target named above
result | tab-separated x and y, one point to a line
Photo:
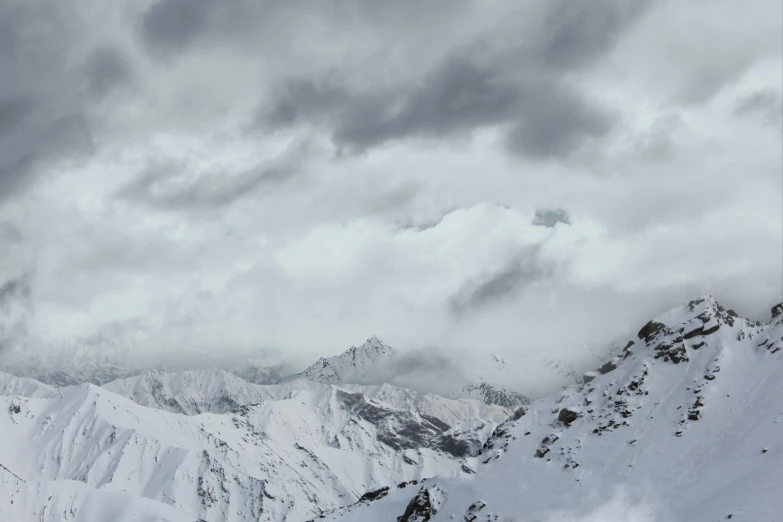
529	179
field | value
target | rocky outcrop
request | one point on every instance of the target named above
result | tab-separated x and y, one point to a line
567	416
423	506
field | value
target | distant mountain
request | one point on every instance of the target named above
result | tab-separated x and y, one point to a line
218	391
353	365
364	364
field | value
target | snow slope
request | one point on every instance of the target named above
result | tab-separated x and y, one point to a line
308	447
684	424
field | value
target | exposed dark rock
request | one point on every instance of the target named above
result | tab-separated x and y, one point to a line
588	377
540	452
711	330
777	310
567	416
607	367
518	414
699	330
401	430
499	395
472	513
374	495
420	508
649	331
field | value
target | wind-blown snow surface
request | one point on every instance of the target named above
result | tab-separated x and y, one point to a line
684	424
287	452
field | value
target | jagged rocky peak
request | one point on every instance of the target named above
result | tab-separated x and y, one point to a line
349	364
777	312
371	348
701	317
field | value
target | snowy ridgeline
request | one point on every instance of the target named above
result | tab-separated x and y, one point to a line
686	423
683	424
208	445
373	362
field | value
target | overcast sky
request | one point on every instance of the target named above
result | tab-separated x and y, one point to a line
526	178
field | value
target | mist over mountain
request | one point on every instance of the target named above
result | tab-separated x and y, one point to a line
182	180
409	261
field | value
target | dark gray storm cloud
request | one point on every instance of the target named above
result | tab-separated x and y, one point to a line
17	289
521	87
15	303
172	186
48	88
505	283
106	69
574	34
765	104
551	217
169	26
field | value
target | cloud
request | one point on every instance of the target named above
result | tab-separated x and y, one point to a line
551	217
106	69
168	26
48	90
521	87
523	270
15	309
766	104
152	176
460	96
171	186
430	369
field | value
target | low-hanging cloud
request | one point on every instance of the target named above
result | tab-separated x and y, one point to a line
141	185
522	270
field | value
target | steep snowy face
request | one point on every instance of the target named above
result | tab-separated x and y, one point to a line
351	365
685	423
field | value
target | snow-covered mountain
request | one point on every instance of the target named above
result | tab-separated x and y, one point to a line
683	424
24	387
353	365
218	391
374	361
100	361
285	452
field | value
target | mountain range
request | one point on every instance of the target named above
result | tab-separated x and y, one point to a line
682	423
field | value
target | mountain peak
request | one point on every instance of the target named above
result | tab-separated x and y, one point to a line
349	364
